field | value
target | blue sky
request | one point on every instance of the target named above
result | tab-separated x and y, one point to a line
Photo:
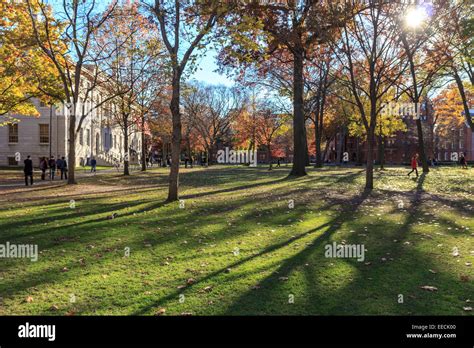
206	65
206	70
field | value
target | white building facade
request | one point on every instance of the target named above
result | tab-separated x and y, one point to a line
99	137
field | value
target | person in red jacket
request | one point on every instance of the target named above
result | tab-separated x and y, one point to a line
414	165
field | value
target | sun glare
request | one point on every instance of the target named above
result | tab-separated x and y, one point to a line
415	17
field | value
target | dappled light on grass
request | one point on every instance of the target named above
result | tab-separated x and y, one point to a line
247	241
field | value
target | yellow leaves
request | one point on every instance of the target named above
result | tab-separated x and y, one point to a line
23	66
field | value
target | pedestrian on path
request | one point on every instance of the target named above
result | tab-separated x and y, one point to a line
93	165
43	167
52	167
28	170
414	165
63	168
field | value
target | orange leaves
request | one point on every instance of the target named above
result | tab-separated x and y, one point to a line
449	108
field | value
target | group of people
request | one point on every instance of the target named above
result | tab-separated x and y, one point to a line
59	165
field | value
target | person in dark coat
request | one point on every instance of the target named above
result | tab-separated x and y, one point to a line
93	165
63	168
463	161
52	167
43	167
28	170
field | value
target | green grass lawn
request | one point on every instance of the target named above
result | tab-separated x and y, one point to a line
236	248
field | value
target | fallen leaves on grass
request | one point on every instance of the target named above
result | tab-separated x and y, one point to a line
455	252
429	288
161	311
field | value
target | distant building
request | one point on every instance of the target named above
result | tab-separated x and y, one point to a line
403	145
47	134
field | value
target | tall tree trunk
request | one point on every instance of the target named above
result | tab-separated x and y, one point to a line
71	179
369	173
339	145
126	162
269	149
176	137
299	152
421	142
465	104
143	145
319	157
306	150
188	145
381	145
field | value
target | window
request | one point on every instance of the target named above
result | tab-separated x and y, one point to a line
13	133
12	161
44	133
111	142
88	137
115	141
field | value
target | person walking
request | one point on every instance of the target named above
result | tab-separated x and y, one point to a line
59	164
93	165
63	168
52	167
186	160
414	165
43	167
28	170
463	161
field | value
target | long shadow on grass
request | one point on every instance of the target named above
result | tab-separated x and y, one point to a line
40	277
360	294
329	226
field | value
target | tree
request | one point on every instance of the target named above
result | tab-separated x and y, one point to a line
183	28
69	52
269	125
130	53
24	73
424	62
213	110
320	79
373	62
295	27
457	43
449	107
388	124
